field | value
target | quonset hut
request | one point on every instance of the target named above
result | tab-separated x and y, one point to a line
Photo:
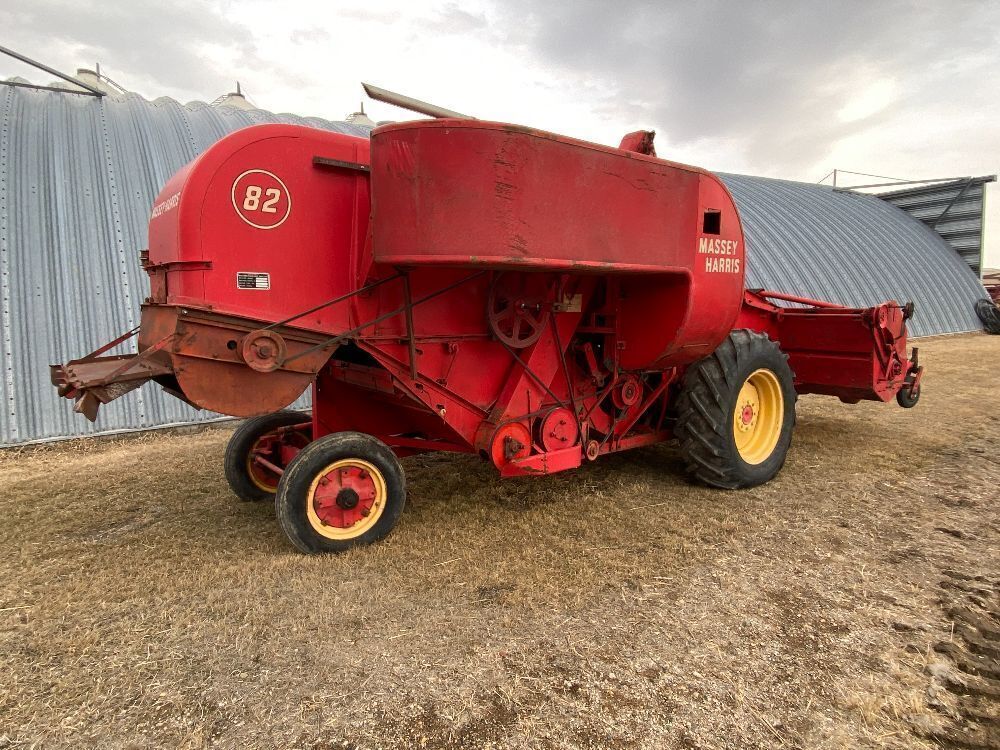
78	175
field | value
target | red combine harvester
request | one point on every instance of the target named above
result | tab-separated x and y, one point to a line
459	285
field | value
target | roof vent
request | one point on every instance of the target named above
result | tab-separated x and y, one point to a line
234	99
360	118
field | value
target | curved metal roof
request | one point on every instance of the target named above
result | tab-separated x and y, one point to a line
78	176
854	249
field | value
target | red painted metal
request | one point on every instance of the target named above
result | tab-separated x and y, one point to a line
851	353
559	429
472	194
991	282
273	451
344	496
641	141
461	285
794	298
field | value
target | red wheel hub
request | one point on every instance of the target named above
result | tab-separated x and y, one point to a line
344	496
277	449
263	351
747	415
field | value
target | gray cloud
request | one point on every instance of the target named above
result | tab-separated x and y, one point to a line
162	41
453	19
765	80
311	36
772	75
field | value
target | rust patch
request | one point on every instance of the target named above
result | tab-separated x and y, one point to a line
504	190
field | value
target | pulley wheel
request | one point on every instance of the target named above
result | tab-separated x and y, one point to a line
510	442
627	393
559	429
263	351
518	308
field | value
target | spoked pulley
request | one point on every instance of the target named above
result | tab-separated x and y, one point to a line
519	307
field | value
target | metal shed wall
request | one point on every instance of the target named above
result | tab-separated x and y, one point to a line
854	249
78	176
954	209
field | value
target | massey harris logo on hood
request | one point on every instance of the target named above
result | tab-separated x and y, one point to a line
168	205
721	255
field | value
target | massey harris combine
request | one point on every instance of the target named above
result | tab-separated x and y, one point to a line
459	285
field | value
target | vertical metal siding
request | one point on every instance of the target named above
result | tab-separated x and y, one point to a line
854	249
78	176
962	226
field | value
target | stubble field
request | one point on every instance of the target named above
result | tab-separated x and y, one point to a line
852	602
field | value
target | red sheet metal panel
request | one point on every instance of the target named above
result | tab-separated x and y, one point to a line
476	193
258	228
472	193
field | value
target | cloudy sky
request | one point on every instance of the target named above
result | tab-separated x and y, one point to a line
788	89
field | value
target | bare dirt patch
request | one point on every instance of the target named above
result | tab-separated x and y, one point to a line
852	602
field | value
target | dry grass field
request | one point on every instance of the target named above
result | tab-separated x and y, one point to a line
854	602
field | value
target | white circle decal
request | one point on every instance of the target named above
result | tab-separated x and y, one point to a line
261	199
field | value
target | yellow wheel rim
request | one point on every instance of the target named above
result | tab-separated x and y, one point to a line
758	416
346	499
261	476
252	473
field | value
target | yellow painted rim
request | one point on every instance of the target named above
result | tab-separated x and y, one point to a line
359	528
758	416
253	477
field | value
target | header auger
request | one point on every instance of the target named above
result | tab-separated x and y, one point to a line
470	286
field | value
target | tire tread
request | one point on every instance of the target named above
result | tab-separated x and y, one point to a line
704	413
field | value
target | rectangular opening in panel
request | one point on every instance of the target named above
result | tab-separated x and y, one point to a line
712	223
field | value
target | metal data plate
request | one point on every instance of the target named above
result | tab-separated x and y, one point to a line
253	280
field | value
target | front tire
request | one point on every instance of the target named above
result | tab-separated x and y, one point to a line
736	412
341	491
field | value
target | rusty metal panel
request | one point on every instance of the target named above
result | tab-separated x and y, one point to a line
78	176
853	249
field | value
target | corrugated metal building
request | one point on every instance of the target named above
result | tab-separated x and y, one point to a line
954	209
78	176
852	248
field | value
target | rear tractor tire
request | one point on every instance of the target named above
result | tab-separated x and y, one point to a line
250	480
736	412
341	491
989	314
